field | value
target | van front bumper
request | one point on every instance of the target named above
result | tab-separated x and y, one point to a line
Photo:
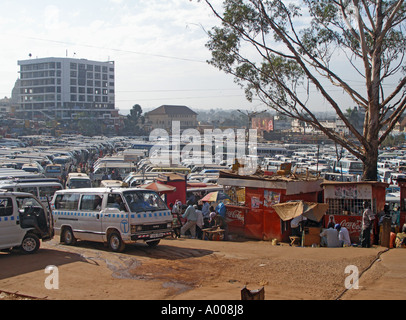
158	234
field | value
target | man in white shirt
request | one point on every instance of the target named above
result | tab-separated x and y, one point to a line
295	225
343	236
191	216
199	222
330	237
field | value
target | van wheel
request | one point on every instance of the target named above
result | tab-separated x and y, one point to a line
115	242
30	243
67	237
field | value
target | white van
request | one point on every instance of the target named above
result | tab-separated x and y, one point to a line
115	216
54	171
24	221
78	180
43	190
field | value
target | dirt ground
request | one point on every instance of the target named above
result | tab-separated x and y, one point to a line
189	269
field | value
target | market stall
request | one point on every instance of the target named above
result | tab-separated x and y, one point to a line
175	181
255	217
313	212
345	204
162	189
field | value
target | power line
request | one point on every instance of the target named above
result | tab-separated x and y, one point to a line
114	49
175	90
183	98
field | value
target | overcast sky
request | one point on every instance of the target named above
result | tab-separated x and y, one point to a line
158	47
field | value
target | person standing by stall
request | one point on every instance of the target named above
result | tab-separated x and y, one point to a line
176	223
297	225
221	209
368	218
191	216
199	222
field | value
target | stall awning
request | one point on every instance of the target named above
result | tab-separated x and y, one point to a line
159	187
292	209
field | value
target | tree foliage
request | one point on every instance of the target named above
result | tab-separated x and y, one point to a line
275	49
134	121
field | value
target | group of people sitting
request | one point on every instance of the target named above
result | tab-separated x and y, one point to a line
192	219
334	237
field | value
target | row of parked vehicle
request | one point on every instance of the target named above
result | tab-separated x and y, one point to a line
115	216
27	195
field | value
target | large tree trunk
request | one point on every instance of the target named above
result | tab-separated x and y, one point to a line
370	165
370	158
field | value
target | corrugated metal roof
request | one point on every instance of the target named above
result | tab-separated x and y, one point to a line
172	110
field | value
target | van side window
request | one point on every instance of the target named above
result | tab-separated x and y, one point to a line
59	204
46	191
67	201
91	202
24	202
6	207
115	201
32	190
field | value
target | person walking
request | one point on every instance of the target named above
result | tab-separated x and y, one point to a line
199	223
191	216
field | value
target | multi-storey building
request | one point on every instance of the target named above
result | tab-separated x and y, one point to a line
66	88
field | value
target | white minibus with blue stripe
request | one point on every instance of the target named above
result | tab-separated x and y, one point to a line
115	216
350	166
43	190
24	221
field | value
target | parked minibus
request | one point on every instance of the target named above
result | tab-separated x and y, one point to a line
78	180
54	170
24	221
44	191
115	216
350	166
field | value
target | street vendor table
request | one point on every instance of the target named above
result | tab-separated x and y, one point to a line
211	232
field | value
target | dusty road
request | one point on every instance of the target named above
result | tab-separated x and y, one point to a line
191	270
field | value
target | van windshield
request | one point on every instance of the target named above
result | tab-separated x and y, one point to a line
76	183
356	165
53	169
141	201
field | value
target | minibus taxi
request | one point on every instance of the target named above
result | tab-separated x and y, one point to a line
54	170
43	190
24	221
115	216
78	180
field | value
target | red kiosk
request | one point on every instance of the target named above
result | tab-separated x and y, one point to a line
255	218
345	203
176	180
